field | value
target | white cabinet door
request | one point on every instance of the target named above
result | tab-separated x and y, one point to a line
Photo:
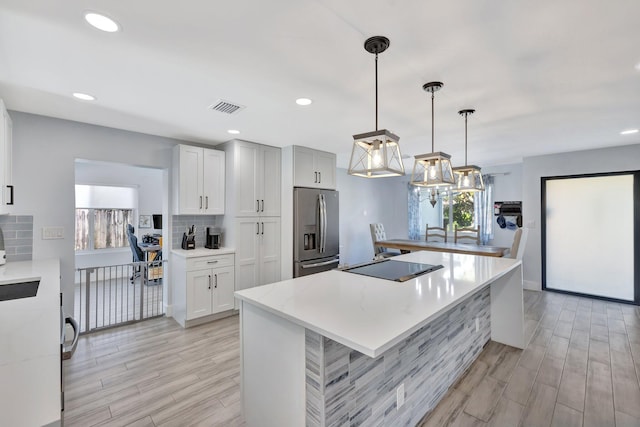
313	168
305	174
199	290
246	175
270	181
213	182
247	252
223	284
269	250
325	165
6	187
190	172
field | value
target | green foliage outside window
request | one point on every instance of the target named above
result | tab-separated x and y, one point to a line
462	209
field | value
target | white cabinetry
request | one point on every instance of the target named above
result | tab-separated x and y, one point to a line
6	168
252	220
199	180
258	251
203	285
256	175
313	168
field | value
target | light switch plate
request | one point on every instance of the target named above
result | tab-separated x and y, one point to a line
51	233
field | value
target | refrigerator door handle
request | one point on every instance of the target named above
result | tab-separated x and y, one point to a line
323	216
320	264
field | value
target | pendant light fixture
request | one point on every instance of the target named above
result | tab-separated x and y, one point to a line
433	170
468	177
376	154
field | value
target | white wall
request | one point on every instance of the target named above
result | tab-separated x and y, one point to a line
623	158
44	154
364	201
148	182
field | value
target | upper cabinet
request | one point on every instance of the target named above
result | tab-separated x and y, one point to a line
254	175
198	180
6	168
313	168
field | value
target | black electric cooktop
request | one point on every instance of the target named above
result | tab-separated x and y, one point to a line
398	271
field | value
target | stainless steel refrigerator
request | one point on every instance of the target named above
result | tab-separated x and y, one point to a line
316	242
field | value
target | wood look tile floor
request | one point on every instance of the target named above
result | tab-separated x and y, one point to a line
580	368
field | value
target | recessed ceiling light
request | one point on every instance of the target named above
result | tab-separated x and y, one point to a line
84	96
233	131
303	101
629	131
101	22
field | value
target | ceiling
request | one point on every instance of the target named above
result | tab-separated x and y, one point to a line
544	76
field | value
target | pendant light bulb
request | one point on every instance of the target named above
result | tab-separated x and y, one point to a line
376	154
468	177
432	169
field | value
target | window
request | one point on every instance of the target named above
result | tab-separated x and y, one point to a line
458	210
102	228
449	210
102	215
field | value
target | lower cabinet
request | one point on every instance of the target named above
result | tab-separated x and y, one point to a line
209	291
203	285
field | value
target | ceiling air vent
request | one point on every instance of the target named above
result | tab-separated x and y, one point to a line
226	107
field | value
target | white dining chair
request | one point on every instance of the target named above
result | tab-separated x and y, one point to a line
435	234
467	235
377	234
519	243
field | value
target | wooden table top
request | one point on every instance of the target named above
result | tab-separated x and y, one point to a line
456	248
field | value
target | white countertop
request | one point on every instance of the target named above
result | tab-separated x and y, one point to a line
371	315
30	347
199	252
18	272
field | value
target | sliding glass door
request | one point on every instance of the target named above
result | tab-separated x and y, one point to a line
590	235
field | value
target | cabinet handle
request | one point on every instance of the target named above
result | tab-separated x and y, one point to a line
212	262
315	181
10	187
209	281
216	285
206	202
262	209
319	177
200	202
257	228
263	228
257	205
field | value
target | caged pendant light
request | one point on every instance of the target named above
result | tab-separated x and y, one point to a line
376	154
433	169
468	177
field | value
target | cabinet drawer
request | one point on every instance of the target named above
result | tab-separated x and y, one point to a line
213	261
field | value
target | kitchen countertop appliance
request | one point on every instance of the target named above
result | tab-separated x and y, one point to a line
316	242
213	239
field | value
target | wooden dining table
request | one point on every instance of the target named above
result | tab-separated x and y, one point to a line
406	245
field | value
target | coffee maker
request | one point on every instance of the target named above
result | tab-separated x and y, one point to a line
213	238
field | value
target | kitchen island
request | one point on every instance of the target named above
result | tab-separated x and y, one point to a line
338	348
30	333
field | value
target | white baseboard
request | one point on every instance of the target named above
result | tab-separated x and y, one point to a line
530	285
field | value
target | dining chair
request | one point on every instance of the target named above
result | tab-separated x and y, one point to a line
468	235
436	234
377	234
519	243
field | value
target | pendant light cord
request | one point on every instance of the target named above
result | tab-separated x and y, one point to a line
465	138
376	91
432	121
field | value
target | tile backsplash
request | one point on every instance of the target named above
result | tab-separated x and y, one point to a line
182	222
18	236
